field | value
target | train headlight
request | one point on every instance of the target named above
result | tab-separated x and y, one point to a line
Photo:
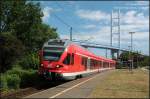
58	66
41	65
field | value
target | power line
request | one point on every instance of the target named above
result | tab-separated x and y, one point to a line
73	29
70	27
62	21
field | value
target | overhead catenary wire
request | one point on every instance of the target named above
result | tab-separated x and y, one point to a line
66	24
62	21
73	28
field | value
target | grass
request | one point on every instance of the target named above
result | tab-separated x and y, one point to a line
123	84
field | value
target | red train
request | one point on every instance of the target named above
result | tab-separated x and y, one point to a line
63	59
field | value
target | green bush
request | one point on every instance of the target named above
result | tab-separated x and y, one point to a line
27	77
13	81
30	61
18	78
16	70
3	82
9	81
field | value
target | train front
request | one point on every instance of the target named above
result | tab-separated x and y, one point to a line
51	66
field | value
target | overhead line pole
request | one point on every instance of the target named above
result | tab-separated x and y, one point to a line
119	30
131	48
70	33
119	25
111	31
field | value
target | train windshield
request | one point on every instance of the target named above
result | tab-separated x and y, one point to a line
52	56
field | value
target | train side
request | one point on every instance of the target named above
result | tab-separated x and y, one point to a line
70	61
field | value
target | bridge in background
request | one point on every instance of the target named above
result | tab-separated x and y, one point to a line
114	50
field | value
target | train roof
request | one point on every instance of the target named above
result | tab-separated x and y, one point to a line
65	43
90	54
57	43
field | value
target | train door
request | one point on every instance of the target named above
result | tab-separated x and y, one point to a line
88	63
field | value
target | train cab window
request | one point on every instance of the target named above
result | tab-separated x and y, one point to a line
67	59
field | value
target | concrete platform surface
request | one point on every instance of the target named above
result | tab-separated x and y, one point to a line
80	88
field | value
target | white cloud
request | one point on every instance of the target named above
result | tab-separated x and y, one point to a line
90	26
144	3
145	8
101	35
137	3
133	5
131	21
138	22
133	17
47	12
95	15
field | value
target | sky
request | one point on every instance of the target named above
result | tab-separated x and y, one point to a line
91	20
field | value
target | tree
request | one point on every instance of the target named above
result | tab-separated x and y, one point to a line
138	58
11	49
44	32
20	17
21	30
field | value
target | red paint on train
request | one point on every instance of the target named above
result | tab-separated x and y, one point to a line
69	61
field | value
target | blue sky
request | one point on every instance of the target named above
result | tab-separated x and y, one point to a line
91	20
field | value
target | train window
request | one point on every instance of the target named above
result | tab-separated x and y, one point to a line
72	59
56	42
96	63
84	61
111	64
54	48
105	64
53	56
100	63
92	63
67	59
